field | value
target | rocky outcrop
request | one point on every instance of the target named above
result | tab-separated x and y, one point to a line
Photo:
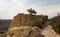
22	26
24	31
25	20
22	20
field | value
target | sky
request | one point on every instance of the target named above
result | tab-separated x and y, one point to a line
10	8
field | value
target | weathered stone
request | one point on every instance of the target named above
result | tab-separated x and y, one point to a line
24	31
2	35
21	26
24	20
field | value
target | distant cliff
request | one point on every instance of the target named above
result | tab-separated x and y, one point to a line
57	19
5	26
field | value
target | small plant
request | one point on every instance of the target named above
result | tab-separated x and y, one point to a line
31	11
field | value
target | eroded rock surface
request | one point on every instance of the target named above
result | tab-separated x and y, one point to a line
21	26
24	31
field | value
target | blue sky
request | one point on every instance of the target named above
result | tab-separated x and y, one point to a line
44	2
9	8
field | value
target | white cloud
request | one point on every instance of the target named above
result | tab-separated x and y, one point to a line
9	8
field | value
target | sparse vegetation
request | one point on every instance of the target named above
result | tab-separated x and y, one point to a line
55	26
41	23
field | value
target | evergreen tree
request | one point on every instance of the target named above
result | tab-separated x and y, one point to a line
31	11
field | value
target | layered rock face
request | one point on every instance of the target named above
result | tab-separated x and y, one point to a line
24	20
24	31
21	26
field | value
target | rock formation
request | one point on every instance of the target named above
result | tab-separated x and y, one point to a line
24	20
21	26
24	31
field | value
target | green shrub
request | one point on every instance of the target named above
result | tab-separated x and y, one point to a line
41	22
55	26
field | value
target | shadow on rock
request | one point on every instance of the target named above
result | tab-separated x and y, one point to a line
40	35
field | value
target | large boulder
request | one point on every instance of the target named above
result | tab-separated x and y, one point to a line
24	31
